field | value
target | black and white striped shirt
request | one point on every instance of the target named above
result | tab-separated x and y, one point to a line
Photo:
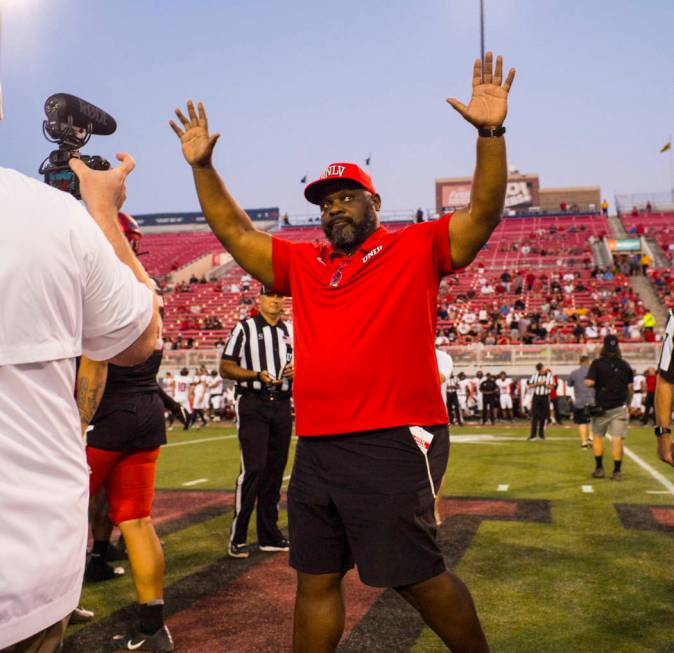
666	362
254	344
541	390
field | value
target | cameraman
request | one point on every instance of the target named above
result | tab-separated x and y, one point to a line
612	378
71	286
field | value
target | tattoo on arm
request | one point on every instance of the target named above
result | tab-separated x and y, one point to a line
90	386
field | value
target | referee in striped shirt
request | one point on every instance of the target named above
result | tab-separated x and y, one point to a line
541	382
664	394
258	356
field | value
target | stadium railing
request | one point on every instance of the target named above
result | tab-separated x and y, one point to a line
514	359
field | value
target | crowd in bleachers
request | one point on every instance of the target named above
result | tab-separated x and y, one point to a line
533	283
532	307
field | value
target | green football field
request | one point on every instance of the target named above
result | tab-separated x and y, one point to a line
556	561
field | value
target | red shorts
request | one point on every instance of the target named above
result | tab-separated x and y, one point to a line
128	478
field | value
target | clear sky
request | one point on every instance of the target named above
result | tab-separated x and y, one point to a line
295	85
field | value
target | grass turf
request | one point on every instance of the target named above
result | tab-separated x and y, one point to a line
580	583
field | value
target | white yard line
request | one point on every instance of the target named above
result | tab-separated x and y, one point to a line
663	480
286	478
658	492
219	437
195	482
503	487
587	489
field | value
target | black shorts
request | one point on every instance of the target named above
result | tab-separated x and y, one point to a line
581	416
128	421
366	499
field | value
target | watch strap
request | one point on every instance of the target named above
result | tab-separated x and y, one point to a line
491	132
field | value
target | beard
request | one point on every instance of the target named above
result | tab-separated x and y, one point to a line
346	236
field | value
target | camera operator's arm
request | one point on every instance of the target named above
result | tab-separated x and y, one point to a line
104	193
251	248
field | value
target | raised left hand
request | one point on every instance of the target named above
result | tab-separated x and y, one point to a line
489	104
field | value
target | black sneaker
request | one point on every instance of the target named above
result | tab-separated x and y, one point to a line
282	545
117	551
159	642
598	473
98	571
238	550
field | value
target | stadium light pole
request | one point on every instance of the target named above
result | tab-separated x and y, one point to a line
482	35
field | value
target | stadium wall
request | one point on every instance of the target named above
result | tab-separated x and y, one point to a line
516	360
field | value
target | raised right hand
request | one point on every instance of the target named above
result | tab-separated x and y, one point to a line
196	142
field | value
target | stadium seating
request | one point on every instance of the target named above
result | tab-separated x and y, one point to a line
658	225
167	252
541	250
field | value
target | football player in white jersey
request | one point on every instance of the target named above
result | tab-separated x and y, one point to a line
637	403
216	385
477	393
199	399
183	392
505	384
463	393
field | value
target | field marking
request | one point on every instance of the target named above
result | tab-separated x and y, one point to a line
287	478
503	487
219	437
195	482
588	489
490	438
657	492
665	482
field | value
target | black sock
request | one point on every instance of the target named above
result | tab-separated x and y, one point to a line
99	550
151	616
617	464
598	462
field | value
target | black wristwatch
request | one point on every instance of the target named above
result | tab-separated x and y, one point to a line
662	430
491	132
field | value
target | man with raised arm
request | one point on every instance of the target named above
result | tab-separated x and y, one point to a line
374	416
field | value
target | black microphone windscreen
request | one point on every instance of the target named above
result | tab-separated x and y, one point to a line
61	105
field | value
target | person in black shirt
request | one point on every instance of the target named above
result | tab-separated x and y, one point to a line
490	395
612	379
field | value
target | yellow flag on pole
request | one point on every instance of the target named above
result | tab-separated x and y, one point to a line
666	146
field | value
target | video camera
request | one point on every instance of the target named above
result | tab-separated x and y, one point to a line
70	123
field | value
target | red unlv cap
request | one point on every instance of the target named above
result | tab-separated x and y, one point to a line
340	170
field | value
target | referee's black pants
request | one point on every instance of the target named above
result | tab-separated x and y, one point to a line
264	427
454	408
540	412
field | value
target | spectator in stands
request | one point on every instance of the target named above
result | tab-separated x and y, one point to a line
245	282
234	288
635	212
645	263
648	322
604	207
419	217
194	279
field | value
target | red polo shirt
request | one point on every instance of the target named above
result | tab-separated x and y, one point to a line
364	329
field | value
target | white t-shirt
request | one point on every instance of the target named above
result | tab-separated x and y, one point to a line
639	383
445	367
64	293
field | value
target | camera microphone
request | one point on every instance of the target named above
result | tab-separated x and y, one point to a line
61	107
